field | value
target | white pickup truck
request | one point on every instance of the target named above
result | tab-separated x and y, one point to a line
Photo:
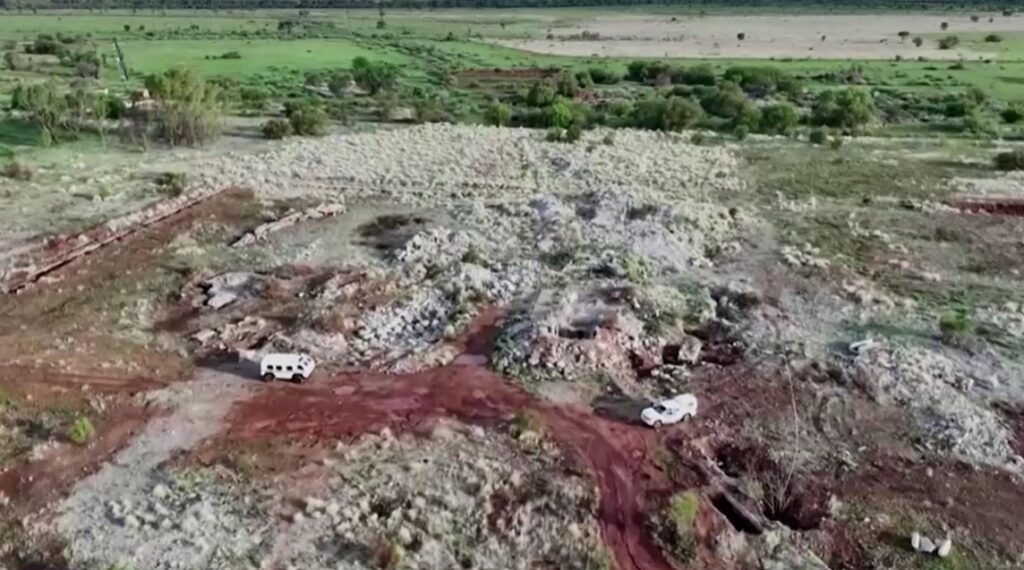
670	411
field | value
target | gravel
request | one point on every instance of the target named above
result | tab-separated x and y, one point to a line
130	509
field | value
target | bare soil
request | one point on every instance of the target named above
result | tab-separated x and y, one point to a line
853	36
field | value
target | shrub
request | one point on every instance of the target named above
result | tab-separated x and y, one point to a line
172	183
993	38
540	95
499	114
818	136
307	119
567	84
609	139
603	76
276	129
671	114
1009	160
17	170
1012	114
231	55
374	76
45	106
843	108
944	26
563	114
81	431
254	97
189	108
741	132
741	36
673	527
702	74
975	122
779	119
976	95
573	132
636	69
727	101
584	80
918	41
761	79
949	42
953	327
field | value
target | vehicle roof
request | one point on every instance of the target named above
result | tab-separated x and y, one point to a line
285	356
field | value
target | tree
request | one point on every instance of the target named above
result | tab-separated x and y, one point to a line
844	108
741	36
671	114
603	76
127	28
540	95
975	18
993	38
46	107
918	41
903	34
779	119
561	114
1012	114
374	76
499	114
702	74
1010	160
949	42
944	26
188	108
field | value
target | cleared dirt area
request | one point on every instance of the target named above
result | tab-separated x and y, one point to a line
868	36
490	313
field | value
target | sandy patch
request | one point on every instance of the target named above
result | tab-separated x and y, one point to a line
870	36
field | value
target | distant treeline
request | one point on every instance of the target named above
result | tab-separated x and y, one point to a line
22	5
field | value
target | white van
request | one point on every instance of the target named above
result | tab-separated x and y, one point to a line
294	367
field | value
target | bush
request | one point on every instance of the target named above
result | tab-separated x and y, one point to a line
741	36
81	431
563	114
818	136
603	76
1012	114
993	38
845	108
231	55
741	132
254	97
702	74
671	114
306	119
1010	160
540	95
918	41
975	122
779	119
567	84
189	108
172	183
374	76
584	80
16	170
953	327
499	114
276	129
763	79
949	42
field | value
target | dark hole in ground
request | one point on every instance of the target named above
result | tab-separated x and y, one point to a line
738	516
391	231
797	500
577	333
721	347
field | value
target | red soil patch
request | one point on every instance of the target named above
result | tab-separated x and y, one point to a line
979	502
348	405
989	205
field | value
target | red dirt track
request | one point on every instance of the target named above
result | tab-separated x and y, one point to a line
348	405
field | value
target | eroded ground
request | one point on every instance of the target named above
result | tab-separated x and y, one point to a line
490	312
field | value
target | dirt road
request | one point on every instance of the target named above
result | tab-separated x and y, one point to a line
348	405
